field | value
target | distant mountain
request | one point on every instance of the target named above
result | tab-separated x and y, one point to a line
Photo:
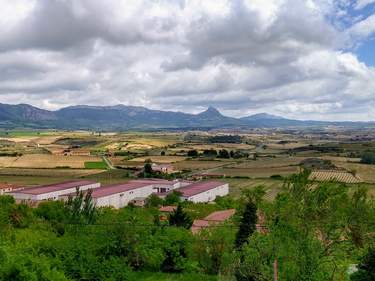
122	117
262	116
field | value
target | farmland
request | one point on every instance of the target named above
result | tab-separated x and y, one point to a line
256	158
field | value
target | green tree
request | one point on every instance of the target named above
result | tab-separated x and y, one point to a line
81	208
154	201
223	153
247	224
173	197
192	153
368	158
147	169
366	269
179	218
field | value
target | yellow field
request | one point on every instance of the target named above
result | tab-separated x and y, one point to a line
365	172
46	161
340	176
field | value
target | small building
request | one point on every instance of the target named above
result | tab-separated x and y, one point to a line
52	191
204	191
163	168
212	219
6	187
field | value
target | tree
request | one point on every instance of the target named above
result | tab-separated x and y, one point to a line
173	197
366	269
368	158
223	153
81	208
192	153
148	168
247	224
154	201
179	218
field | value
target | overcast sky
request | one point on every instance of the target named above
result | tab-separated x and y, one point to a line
312	59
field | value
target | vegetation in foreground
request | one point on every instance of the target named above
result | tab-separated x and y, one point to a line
314	232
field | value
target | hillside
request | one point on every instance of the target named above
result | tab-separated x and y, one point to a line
121	117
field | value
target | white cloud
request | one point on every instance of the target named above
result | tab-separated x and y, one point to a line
279	56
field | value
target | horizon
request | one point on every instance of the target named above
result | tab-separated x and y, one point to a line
303	60
196	113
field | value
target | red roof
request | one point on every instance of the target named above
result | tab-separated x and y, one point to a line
153	181
41	189
199	187
220	215
117	188
167	209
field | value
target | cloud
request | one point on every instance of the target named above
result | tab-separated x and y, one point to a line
280	56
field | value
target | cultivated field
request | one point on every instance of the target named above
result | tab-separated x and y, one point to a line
43	161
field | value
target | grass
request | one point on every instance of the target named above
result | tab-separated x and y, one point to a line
95	165
272	186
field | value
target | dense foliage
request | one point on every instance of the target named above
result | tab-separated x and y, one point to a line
312	231
368	158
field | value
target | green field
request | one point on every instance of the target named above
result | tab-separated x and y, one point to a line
95	165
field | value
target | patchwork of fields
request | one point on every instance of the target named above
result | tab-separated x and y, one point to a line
37	158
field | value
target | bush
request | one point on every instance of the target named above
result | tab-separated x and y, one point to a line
368	158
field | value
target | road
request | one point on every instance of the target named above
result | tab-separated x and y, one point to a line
109	163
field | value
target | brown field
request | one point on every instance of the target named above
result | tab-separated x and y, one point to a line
219	146
269	162
159	159
272	187
257	172
199	165
46	161
340	176
48	172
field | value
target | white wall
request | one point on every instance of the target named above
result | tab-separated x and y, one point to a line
209	195
121	199
51	195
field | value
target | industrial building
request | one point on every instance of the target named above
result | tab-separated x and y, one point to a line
120	195
52	191
204	191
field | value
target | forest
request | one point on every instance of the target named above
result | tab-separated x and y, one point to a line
310	231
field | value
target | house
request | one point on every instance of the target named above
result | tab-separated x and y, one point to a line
163	168
212	219
204	191
52	191
6	187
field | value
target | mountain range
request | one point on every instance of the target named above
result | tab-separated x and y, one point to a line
122	117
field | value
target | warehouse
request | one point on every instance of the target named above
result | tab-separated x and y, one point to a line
204	191
52	191
119	195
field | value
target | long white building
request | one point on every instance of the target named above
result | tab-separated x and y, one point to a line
52	191
204	191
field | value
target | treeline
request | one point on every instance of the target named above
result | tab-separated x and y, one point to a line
222	153
311	231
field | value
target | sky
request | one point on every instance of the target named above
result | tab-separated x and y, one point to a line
303	59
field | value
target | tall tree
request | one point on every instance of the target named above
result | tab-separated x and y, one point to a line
247	224
180	218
